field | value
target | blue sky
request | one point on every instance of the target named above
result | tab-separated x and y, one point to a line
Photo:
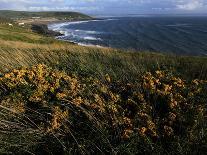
110	6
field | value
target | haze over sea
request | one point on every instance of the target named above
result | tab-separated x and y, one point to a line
180	35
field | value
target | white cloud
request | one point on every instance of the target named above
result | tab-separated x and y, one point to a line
57	0
108	6
192	5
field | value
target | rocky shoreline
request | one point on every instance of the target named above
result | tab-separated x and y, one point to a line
43	29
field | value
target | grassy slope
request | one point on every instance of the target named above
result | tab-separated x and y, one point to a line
23	14
17	44
20	47
4	20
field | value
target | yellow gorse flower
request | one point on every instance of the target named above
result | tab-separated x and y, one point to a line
151	106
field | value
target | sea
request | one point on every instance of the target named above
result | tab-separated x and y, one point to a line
180	35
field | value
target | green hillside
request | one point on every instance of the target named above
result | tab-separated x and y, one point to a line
25	14
61	98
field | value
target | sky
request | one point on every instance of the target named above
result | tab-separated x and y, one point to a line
110	7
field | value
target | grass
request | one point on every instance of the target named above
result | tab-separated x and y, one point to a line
4	20
51	14
61	98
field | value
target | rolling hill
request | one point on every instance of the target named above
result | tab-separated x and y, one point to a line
58	15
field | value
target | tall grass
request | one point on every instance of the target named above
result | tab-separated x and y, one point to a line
60	98
98	62
47	111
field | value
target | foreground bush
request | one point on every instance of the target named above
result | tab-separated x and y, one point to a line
45	111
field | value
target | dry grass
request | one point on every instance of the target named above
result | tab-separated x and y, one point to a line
98	100
159	113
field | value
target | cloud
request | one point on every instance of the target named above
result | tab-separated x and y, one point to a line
108	6
57	0
192	5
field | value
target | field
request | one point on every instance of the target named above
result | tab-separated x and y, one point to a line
26	15
61	98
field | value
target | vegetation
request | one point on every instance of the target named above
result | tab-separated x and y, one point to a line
61	98
4	20
50	14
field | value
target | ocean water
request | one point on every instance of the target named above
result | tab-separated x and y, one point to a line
179	35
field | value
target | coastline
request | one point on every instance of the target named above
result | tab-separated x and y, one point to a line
41	26
88	34
62	34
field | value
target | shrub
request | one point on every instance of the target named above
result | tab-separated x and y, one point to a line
159	113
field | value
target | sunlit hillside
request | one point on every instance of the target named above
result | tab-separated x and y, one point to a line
36	15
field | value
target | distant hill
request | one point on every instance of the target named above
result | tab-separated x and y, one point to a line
49	14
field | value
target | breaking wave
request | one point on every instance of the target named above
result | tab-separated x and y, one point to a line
179	35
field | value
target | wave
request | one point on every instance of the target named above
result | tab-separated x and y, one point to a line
91	38
179	25
180	36
88	32
58	26
80	35
76	35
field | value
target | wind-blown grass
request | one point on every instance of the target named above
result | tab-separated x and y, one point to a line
158	113
60	98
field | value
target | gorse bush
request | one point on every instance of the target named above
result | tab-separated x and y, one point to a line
159	113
